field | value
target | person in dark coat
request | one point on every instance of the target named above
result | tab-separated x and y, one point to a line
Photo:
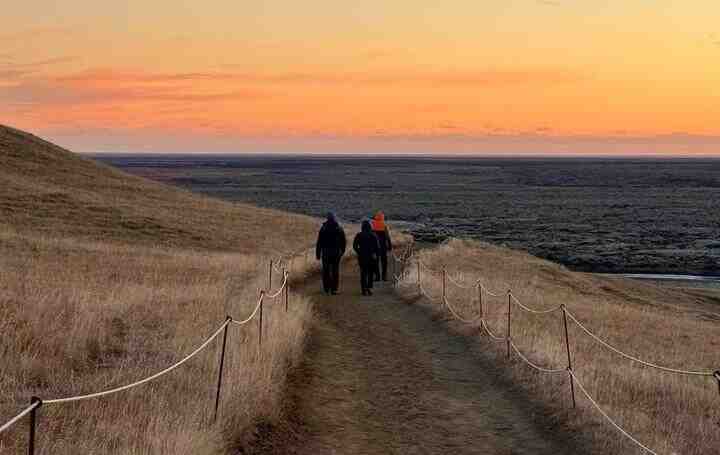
330	248
383	234
367	248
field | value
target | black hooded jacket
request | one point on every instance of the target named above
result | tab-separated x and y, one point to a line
331	241
366	243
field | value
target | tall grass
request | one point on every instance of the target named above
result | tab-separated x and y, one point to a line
667	412
78	317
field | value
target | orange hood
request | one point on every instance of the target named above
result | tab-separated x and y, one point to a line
378	223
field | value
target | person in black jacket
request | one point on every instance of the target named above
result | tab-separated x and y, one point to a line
330	248
367	248
383	234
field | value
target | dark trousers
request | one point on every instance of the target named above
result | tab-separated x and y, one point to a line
331	273
367	270
381	265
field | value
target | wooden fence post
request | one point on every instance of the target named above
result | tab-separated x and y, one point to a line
508	324
33	425
220	370
569	359
444	284
480	300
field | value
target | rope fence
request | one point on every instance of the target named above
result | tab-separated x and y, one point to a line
404	264
401	269
36	403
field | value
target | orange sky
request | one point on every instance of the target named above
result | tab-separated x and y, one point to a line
458	76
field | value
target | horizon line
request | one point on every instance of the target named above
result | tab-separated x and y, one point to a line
375	155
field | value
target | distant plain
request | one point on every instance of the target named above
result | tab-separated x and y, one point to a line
598	215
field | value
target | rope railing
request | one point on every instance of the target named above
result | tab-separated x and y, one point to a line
457	314
607	417
488	292
145	380
280	290
460	285
566	314
490	332
531	310
635	359
254	312
533	365
36	403
436	272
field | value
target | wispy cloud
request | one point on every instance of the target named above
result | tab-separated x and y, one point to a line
14	70
491	77
42	63
37	33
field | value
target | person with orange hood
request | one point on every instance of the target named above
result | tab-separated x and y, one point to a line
383	234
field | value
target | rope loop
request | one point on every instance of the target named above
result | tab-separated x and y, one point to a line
531	310
633	358
716	375
607	417
456	314
535	366
35	403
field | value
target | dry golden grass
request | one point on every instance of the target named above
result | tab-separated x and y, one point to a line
49	191
107	278
667	412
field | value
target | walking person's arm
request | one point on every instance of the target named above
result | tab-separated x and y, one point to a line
389	242
318	245
343	242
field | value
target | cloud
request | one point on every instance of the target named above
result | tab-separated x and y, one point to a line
42	63
53	93
12	70
492	77
36	33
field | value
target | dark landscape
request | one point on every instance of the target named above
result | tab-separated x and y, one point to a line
596	215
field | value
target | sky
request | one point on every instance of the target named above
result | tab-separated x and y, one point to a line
504	77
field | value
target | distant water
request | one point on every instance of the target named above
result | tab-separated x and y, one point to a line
600	215
666	277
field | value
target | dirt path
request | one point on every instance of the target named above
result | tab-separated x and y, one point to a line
382	377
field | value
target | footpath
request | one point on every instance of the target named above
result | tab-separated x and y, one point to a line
382	377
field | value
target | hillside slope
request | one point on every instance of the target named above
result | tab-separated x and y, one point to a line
47	190
106	278
667	326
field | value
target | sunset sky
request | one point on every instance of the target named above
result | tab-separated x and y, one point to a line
376	76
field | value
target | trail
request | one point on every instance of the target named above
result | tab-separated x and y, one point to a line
382	377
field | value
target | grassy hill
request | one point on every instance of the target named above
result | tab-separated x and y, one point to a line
47	190
669	326
106	278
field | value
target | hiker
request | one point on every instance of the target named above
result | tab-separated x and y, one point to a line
383	234
330	248
367	248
